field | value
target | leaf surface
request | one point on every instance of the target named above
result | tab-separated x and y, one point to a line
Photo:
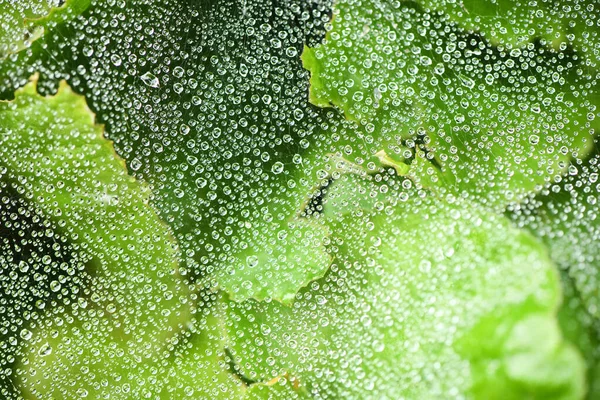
424	299
56	158
499	124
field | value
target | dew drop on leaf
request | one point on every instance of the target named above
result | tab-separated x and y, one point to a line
299	199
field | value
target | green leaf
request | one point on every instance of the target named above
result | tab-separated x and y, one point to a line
516	23
581	329
198	366
24	22
15	32
509	22
278	260
206	213
39	271
269	339
205	101
499	124
56	158
52	45
565	217
281	246
229	184
423	300
192	365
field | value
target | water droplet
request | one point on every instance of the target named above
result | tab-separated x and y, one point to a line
150	80
252	261
45	350
277	167
26	334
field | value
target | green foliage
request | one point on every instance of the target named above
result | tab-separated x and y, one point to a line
305	199
490	123
66	169
25	22
514	23
438	291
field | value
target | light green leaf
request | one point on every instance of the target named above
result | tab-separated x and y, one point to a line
565	217
509	22
227	197
581	329
276	259
279	247
516	23
269	339
193	364
39	271
23	22
499	124
423	300
56	158
15	33
198	367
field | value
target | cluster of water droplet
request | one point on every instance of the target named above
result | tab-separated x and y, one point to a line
207	103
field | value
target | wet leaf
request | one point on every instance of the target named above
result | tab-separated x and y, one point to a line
280	388
274	272
24	22
436	295
515	23
56	158
565	216
499	124
306	199
581	329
